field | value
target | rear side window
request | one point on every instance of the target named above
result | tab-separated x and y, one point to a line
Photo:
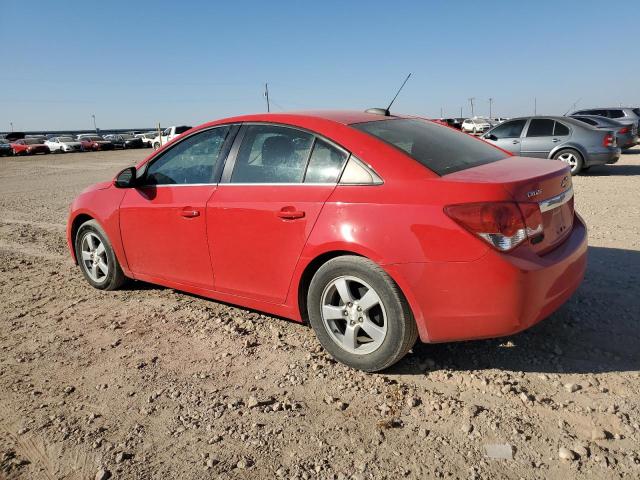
325	163
560	130
272	154
636	111
439	148
616	113
540	127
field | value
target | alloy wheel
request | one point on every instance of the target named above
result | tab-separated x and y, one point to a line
94	257
353	314
570	159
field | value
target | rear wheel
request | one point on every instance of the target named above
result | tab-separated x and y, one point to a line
359	314
571	158
96	258
156	146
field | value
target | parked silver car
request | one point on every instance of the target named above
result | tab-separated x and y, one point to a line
626	135
561	138
626	115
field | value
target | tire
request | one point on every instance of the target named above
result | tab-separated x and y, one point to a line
376	305
572	158
86	237
474	131
156	146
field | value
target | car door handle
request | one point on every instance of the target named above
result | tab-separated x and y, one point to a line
189	212
555	140
290	213
515	142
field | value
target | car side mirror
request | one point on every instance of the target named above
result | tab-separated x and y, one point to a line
126	178
491	136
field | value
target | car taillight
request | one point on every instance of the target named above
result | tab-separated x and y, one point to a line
624	130
609	140
503	225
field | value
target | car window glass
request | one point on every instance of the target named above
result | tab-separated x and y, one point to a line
636	111
589	121
192	160
272	154
512	129
616	113
560	130
540	127
325	163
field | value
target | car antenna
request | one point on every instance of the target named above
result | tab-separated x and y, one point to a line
385	111
573	105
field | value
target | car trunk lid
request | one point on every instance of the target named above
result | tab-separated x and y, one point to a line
546	183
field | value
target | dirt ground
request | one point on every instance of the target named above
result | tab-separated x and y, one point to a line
148	382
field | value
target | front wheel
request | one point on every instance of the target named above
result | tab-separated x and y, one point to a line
359	314
571	158
96	258
156	146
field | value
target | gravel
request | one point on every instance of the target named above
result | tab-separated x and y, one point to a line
147	382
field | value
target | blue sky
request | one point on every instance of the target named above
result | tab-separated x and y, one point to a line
136	63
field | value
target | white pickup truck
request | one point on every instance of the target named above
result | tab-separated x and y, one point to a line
167	135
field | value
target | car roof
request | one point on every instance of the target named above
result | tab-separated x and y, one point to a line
345	117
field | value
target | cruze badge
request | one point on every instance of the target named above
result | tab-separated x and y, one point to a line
533	193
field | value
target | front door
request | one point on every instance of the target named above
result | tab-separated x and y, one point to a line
507	135
266	206
163	222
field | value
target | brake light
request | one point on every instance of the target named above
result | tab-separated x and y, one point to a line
624	130
503	225
609	140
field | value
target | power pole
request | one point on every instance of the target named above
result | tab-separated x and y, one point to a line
11	123
441	114
461	112
94	123
535	106
471	102
266	95
490	102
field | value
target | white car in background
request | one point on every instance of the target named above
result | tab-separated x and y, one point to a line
168	134
62	144
475	126
147	138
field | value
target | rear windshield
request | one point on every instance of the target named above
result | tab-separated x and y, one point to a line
439	148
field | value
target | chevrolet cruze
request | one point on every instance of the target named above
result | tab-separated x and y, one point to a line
374	229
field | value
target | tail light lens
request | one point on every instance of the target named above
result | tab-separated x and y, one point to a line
609	140
624	130
503	225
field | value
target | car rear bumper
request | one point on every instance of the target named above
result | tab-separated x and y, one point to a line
603	158
496	295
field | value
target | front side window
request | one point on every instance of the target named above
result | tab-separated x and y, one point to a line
441	149
616	113
191	161
560	130
325	164
272	154
512	129
540	127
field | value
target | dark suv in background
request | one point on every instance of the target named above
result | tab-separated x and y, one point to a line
626	115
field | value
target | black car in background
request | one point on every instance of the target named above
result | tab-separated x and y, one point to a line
124	140
5	148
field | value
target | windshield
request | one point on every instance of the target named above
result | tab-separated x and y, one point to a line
439	148
65	139
31	141
127	137
93	139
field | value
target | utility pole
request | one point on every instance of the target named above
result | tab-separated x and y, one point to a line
461	112
490	102
11	123
266	95
471	102
441	114
94	123
535	106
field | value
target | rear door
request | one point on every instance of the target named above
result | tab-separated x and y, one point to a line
507	135
538	138
163	222
274	186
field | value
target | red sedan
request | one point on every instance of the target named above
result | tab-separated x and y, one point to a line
95	143
374	229
29	146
